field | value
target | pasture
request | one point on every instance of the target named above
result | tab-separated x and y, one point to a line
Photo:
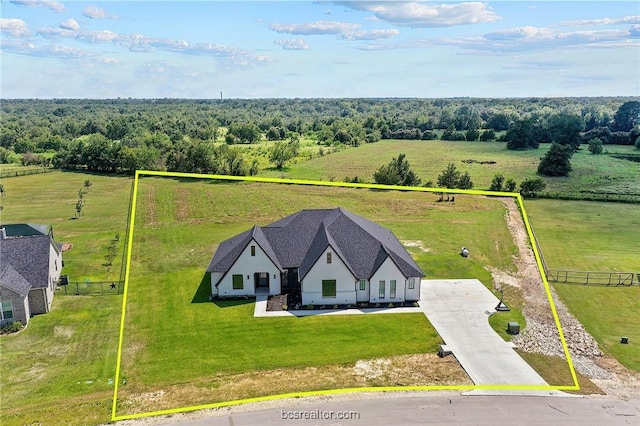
591	173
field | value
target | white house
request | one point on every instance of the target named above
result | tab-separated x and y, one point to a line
332	256
30	266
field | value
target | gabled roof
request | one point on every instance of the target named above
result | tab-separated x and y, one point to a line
298	240
11	279
29	257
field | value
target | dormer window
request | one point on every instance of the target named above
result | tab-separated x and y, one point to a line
329	257
253	250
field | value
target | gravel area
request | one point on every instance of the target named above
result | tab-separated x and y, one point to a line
541	334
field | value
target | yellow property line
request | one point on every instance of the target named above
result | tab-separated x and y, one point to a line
519	199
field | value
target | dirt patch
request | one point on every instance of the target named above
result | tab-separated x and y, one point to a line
541	334
402	370
417	244
62	331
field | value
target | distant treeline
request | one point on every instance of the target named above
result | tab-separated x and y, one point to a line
121	135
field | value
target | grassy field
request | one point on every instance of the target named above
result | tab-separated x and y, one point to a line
178	226
586	236
428	158
592	236
50	198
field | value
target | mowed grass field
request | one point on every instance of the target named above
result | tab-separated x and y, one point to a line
595	236
170	326
600	173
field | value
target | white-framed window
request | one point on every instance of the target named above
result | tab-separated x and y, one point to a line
328	257
328	288
363	285
238	282
412	283
392	289
381	289
6	312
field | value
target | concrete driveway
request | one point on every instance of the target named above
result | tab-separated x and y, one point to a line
459	310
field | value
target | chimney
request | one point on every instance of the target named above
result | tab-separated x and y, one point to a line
3	233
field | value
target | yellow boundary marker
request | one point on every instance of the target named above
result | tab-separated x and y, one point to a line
517	196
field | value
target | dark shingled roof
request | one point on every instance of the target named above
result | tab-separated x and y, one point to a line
29	256
298	240
11	279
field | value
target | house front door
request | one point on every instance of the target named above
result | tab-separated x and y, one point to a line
261	279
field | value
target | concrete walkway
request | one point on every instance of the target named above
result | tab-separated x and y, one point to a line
459	310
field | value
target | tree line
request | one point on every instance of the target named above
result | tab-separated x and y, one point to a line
121	135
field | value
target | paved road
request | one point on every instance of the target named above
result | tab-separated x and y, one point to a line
459	310
455	409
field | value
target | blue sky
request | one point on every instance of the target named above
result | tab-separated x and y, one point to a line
288	49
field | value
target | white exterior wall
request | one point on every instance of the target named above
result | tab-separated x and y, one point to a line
55	269
215	277
247	265
413	295
336	270
362	296
388	271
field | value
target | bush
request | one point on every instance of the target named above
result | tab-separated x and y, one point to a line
595	146
637	144
530	187
12	327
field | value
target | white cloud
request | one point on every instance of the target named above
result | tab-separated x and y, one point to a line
315	28
419	14
14	27
70	24
94	12
522	39
370	34
606	21
292	44
50	4
51	51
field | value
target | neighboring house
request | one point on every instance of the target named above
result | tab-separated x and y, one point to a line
331	256
30	265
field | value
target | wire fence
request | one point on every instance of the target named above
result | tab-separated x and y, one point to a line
93	287
594	278
24	172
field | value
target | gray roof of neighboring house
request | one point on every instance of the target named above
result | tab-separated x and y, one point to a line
29	256
26	230
298	240
11	279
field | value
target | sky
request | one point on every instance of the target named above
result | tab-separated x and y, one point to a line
326	49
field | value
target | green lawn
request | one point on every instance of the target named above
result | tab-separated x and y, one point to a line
600	173
178	226
59	367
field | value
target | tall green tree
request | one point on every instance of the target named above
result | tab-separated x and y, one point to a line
449	177
565	129
397	172
627	116
557	161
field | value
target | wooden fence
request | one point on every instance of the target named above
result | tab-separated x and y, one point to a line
24	172
93	287
594	278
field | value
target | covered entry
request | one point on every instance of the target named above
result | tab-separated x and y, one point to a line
261	280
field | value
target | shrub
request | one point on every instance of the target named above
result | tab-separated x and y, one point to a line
595	146
12	327
637	144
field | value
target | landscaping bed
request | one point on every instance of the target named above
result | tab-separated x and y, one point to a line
293	301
